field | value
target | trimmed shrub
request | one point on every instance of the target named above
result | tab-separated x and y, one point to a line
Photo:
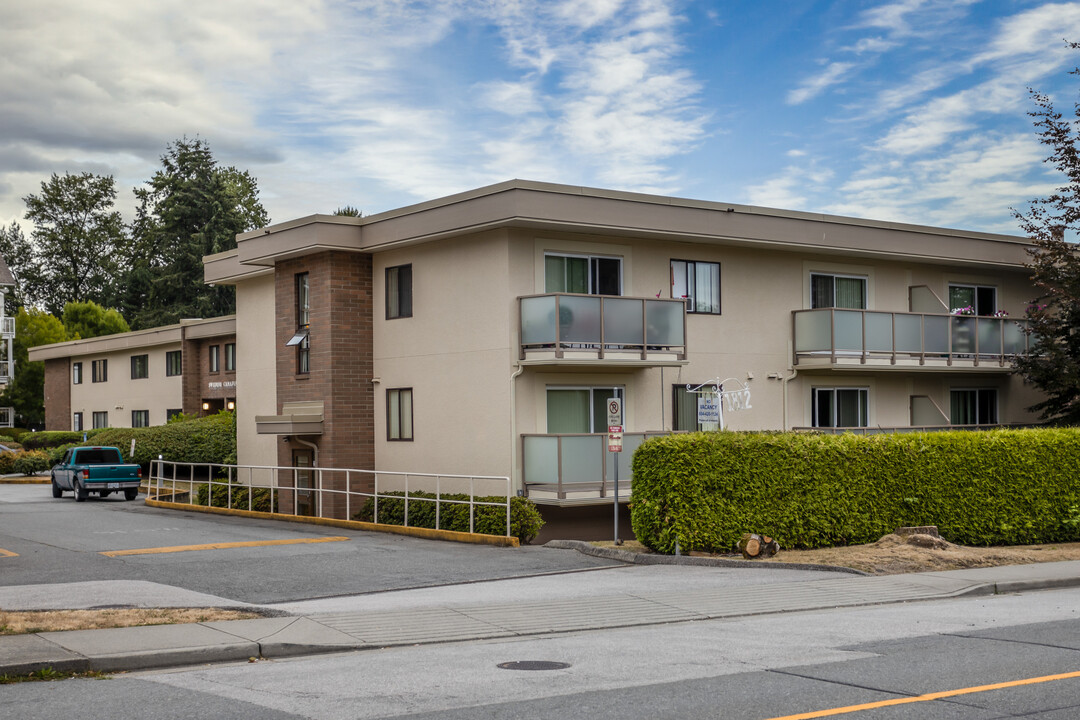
235	495
525	520
211	439
55	438
56	454
704	490
29	462
7	463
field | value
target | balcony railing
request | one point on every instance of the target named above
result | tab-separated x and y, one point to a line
848	335
7	327
7	417
577	467
602	327
5	371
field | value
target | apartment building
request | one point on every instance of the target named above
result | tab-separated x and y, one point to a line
141	378
483	333
7	342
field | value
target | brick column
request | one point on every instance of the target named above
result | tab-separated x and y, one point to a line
58	395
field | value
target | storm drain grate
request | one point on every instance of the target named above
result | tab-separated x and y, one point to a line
534	665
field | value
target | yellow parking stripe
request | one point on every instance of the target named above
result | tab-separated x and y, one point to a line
219	546
7	553
928	696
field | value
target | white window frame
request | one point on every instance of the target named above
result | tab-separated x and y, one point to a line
976	288
100	415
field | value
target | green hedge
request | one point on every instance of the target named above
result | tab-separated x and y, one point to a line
29	462
525	520
211	439
55	438
704	490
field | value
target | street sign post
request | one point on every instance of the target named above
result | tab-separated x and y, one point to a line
615	430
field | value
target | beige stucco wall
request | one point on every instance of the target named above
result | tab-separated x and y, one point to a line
256	371
119	395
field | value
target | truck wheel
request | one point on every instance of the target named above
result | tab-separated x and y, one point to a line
57	491
131	493
80	492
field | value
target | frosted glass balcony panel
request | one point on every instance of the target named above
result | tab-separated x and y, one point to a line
1015	340
664	323
538	320
579	319
989	330
849	330
582	458
908	333
879	332
963	335
813	331
541	456
937	334
623	322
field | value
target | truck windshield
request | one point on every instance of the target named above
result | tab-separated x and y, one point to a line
99	456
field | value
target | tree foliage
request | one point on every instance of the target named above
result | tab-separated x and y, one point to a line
25	393
79	247
191	207
1053	362
84	320
14	248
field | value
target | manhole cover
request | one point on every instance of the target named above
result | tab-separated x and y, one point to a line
534	665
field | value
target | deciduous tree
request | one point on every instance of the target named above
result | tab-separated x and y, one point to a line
88	319
25	393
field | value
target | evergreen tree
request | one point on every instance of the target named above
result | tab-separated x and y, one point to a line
191	207
1053	361
88	319
16	251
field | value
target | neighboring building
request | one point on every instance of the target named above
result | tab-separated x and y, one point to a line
7	342
481	333
141	378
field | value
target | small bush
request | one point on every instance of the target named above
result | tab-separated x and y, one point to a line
235	495
29	462
525	520
7	463
56	454
211	439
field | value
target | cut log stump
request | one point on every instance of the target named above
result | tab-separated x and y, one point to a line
752	546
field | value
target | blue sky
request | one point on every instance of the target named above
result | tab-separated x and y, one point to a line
906	110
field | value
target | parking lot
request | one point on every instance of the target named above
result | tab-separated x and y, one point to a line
48	541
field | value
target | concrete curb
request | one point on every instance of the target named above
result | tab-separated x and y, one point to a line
650	559
426	533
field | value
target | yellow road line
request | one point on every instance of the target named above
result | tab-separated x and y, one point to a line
7	553
928	696
219	546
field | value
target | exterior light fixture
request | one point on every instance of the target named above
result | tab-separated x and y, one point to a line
231	405
206	406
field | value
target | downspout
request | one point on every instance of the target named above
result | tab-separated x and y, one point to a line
314	450
789	378
314	466
513	430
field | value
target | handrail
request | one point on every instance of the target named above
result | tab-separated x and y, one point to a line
319	493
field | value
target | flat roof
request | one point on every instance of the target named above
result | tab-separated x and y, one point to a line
564	208
164	335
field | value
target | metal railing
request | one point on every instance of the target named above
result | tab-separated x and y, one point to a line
7	417
5	371
566	322
322	492
869	334
578	462
7	327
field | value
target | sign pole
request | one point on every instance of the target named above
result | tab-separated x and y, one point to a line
615	430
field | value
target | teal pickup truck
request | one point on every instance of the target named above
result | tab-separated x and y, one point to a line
100	470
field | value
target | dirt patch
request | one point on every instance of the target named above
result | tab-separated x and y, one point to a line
893	555
17	622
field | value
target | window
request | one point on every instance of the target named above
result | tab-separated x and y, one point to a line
230	357
215	358
586	274
302	339
140	418
973	406
840	291
981	298
101	419
77	422
175	412
76	373
579	409
174	364
399	414
684	410
840	407
698	283
398	292
140	367
99	371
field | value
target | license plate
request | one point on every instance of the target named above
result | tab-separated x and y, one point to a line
113	485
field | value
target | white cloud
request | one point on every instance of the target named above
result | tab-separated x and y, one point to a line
790	190
812	87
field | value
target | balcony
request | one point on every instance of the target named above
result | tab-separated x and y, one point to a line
5	372
871	340
569	469
7	328
559	328
7	417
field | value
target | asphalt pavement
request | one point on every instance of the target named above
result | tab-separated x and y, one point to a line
632	595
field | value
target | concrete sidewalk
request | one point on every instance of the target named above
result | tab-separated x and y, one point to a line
141	648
